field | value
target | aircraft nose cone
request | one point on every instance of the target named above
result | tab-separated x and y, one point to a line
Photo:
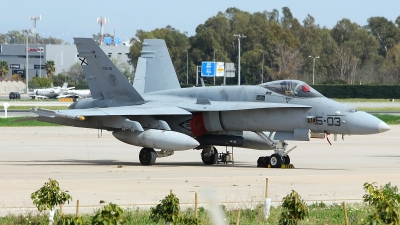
365	123
383	127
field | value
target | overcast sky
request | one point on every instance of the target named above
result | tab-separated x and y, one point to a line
70	18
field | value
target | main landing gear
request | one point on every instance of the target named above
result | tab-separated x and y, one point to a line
209	155
148	156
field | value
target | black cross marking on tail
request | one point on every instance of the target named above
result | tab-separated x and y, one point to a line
83	61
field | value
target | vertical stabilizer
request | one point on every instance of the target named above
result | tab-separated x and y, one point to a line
65	86
112	83
155	71
92	83
139	81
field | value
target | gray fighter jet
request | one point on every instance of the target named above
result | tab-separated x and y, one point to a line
156	113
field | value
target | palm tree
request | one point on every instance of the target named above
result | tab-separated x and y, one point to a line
50	68
3	68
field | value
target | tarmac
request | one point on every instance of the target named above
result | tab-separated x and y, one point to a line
94	168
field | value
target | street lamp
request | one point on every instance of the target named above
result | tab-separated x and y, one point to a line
187	66
313	67
239	36
262	68
214	61
40	61
26	66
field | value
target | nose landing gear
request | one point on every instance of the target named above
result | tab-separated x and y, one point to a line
280	158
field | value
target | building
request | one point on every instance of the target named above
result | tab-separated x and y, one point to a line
64	56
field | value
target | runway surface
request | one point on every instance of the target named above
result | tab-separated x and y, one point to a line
95	169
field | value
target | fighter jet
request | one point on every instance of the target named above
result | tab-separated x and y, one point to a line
53	92
157	114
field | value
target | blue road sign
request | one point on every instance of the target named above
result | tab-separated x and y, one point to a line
208	69
117	41
107	40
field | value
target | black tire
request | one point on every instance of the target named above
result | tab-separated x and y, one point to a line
210	160
286	160
147	156
275	160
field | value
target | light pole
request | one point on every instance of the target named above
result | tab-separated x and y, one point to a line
313	65
239	36
262	68
187	66
26	66
40	61
215	64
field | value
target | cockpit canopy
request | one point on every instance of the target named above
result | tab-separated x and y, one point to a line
293	88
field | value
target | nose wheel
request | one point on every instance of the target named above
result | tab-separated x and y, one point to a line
280	158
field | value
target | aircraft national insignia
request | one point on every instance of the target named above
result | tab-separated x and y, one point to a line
112	79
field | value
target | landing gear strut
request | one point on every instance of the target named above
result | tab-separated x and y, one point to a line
147	156
280	156
209	155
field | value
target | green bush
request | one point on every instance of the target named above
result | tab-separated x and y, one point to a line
168	210
294	209
68	220
49	196
110	214
386	202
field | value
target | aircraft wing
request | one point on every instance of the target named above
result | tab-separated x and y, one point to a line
112	111
65	96
206	105
39	96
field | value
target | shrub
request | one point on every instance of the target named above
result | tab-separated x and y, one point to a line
168	209
294	209
49	196
386	203
110	214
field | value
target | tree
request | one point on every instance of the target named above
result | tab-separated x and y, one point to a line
59	79
75	74
39	82
49	196
3	69
384	31
50	68
176	41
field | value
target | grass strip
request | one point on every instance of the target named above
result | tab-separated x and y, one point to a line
389	119
27	107
320	213
11	122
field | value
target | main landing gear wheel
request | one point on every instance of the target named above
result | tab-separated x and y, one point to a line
286	160
209	157
147	156
275	160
